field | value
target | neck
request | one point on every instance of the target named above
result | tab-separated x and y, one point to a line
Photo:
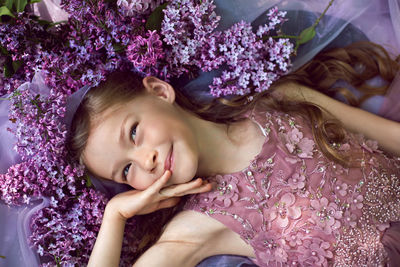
216	148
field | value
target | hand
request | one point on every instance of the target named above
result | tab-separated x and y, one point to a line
155	197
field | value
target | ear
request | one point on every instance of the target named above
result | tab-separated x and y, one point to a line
159	88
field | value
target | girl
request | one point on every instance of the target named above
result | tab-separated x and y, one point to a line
289	182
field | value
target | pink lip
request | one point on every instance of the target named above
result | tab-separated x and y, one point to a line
169	160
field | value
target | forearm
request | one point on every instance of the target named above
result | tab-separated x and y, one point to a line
107	249
386	132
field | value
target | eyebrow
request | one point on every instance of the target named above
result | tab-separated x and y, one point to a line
121	137
122	133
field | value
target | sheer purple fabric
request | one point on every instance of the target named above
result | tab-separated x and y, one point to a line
379	20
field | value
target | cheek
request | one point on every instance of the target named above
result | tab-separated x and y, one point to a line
141	182
185	163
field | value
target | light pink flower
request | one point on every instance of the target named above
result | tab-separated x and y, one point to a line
356	201
297	181
341	188
295	238
350	218
314	252
283	210
270	248
326	214
345	147
226	189
299	145
370	145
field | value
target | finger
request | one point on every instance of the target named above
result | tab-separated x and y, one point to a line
159	183
175	190
204	188
163	204
168	203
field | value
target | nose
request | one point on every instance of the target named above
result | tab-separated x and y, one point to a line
147	158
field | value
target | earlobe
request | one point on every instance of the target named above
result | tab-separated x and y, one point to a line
159	88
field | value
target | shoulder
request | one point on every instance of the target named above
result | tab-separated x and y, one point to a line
197	236
191	226
185	241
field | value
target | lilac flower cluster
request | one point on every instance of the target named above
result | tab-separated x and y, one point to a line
67	226
252	61
21	44
72	218
187	26
132	7
98	38
145	52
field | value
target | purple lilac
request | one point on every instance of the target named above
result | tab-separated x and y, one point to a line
133	7
146	52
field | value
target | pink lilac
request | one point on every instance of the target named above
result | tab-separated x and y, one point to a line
133	7
145	53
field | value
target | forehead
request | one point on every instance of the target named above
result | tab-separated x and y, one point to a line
112	113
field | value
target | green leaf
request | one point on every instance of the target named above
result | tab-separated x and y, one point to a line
88	181
20	5
43	22
4	51
156	17
306	35
17	64
9	4
8	70
34	1
3	257
57	260
4	11
118	47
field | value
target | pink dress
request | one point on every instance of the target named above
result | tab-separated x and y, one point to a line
297	208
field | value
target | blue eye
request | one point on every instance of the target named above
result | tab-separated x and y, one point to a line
126	171
133	132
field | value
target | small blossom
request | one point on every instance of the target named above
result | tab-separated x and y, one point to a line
299	145
326	215
297	181
226	189
270	248
315	252
283	210
341	188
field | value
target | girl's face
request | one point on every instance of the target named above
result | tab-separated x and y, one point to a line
135	143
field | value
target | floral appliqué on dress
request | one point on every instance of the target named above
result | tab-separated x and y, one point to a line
295	207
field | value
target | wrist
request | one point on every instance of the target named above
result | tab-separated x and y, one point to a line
112	213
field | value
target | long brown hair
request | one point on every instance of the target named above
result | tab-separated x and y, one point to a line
354	64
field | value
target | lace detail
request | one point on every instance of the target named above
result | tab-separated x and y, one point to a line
295	207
